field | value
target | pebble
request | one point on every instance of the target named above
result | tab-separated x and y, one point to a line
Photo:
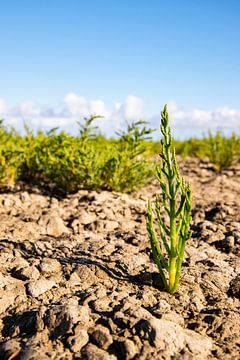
129	348
61	318
77	342
171	338
50	266
234	288
40	286
53	223
27	273
110	225
102	336
92	352
87	218
56	227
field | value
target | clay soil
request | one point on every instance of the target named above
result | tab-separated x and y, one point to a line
77	279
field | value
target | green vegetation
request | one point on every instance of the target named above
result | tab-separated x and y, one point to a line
90	161
127	170
86	161
176	203
222	151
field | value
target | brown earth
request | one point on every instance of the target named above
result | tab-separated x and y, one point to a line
77	280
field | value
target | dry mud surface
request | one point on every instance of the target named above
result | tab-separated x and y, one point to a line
77	280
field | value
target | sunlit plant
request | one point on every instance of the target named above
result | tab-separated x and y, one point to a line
127	170
222	151
173	213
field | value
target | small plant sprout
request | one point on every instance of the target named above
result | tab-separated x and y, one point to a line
173	214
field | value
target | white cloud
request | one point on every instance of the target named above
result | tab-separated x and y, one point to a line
98	107
224	117
172	106
133	108
27	110
196	122
53	121
130	110
74	107
79	106
117	106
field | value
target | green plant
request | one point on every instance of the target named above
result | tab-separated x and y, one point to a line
176	204
86	129
59	159
10	155
126	170
222	151
192	147
88	160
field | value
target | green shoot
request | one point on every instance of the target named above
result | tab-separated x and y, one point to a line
127	170
222	151
176	204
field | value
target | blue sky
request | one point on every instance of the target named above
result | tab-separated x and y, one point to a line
62	59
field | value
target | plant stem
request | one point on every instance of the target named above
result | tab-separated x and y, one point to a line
175	232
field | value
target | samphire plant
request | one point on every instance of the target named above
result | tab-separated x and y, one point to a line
222	151
127	170
173	213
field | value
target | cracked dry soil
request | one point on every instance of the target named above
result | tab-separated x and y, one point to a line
77	280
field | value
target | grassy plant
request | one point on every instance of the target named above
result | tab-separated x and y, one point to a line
10	154
89	160
192	147
126	170
174	230
222	151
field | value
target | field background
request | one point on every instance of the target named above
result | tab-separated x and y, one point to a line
91	161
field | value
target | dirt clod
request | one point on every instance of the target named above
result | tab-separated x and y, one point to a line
77	278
